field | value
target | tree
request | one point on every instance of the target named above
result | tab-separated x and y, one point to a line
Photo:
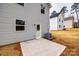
54	14
75	7
64	9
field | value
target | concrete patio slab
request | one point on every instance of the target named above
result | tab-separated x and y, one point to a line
41	47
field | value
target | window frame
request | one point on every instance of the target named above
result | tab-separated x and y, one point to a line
20	26
42	9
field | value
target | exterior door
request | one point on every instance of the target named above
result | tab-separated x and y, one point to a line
38	31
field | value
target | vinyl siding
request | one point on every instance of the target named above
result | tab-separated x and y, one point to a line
30	13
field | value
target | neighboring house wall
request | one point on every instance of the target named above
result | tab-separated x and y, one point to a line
56	23
75	17
60	22
30	13
68	23
53	23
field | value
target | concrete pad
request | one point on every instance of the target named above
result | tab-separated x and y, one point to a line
41	47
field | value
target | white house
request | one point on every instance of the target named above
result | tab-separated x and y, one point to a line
68	22
56	22
23	21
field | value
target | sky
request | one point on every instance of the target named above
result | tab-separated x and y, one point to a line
57	7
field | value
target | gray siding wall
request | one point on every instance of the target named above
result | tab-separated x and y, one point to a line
31	13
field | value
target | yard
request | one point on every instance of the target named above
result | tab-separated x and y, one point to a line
69	38
11	50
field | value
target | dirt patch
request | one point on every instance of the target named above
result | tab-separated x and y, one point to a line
11	50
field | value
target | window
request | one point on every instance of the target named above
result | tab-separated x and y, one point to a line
38	27
59	26
20	22
22	4
20	28
20	25
42	9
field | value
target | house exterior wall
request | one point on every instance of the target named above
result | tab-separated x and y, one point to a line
56	23
30	13
60	25
68	23
75	16
53	24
